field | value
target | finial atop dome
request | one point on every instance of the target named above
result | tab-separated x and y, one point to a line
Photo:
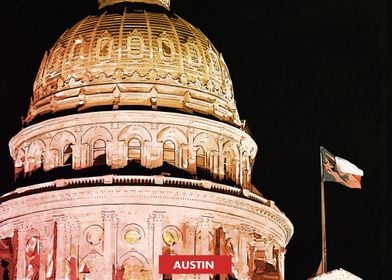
163	3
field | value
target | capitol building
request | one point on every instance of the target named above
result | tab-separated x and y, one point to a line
132	148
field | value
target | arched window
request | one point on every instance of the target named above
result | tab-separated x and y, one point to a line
104	46
169	152
200	157
166	47
76	50
134	150
67	155
99	152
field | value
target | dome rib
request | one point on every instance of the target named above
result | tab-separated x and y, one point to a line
178	45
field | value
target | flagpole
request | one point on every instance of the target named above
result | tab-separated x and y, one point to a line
323	226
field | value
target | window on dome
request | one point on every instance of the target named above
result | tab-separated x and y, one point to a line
166	48
76	49
104	50
104	46
67	155
99	152
200	157
134	150
169	152
135	46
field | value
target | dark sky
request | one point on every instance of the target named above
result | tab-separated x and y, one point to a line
305	74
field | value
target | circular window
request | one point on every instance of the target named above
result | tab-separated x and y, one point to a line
132	236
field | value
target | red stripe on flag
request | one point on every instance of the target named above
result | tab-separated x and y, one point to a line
187	264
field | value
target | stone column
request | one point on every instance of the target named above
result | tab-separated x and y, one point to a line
46	250
75	236
281	255
150	234
115	242
221	246
108	219
252	257
115	149
21	261
221	172
188	247
76	149
189	239
243	241
204	225
157	242
241	166
61	253
86	155
237	171
153	151
234	234
74	249
43	249
190	152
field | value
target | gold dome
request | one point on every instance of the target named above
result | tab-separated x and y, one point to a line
137	58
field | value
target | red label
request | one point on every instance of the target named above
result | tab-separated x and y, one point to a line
187	264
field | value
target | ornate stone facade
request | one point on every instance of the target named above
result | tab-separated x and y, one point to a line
116	225
121	230
118	137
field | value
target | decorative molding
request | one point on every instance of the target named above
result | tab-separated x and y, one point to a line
108	216
242	210
70	141
204	221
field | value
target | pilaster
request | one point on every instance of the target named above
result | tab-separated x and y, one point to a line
243	249
204	225
61	254
281	257
21	261
108	220
46	265
157	218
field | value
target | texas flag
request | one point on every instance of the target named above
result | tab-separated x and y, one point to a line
339	170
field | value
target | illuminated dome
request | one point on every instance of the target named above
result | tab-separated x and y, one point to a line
134	58
160	163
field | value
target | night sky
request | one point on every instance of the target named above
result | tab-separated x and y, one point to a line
305	74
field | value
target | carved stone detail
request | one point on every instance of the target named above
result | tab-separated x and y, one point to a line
128	136
116	226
